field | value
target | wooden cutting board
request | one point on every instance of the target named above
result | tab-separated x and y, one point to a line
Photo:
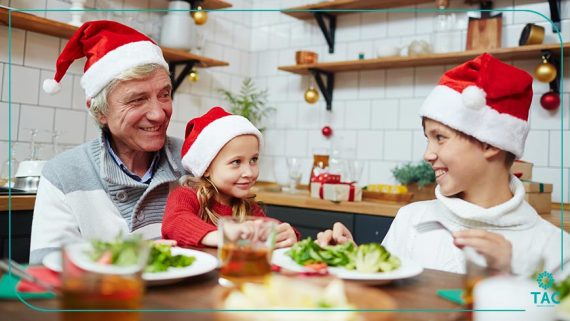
484	33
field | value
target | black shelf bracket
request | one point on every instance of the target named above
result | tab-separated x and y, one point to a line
555	14
328	31
555	84
326	88
177	81
195	3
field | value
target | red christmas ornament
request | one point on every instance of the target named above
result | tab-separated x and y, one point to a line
327	131
550	100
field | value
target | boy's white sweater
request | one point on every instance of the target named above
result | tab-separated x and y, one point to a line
532	237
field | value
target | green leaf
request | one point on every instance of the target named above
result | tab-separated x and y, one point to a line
409	173
250	102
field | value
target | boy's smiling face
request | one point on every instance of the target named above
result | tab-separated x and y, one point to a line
458	162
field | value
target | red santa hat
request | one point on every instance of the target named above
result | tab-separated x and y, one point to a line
206	136
484	98
111	48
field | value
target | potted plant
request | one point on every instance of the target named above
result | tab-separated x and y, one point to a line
419	178
250	103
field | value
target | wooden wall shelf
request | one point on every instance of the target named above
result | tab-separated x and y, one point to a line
216	4
326	12
302	12
58	29
516	53
328	69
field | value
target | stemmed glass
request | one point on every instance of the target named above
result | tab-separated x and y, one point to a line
8	169
295	173
355	169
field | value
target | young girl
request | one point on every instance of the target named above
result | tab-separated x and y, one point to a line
221	151
476	123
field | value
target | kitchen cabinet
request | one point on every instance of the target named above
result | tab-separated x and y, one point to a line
371	228
58	29
22	207
309	222
20	232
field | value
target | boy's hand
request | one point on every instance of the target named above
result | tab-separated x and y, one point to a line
494	247
338	235
285	236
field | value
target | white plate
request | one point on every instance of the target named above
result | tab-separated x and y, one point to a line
408	269
204	263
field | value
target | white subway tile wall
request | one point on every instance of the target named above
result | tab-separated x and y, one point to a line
374	112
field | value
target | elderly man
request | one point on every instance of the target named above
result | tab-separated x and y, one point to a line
119	182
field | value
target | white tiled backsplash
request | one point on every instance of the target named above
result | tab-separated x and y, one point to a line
374	113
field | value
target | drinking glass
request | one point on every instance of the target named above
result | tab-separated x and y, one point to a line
355	169
295	173
281	172
88	285
244	249
476	270
8	170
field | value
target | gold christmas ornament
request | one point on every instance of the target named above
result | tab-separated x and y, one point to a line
311	95
200	16
545	72
193	75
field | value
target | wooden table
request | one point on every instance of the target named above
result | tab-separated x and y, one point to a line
197	293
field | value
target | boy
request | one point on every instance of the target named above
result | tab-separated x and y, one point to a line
476	124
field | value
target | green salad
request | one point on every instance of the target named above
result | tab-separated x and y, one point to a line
366	258
161	259
125	252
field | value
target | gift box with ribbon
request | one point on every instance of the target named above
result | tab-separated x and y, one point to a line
539	196
329	187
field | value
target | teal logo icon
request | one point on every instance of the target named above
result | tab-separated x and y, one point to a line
545	298
545	280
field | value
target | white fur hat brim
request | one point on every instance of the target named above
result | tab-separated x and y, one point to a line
213	138
503	131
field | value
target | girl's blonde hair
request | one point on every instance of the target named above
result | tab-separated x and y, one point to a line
206	192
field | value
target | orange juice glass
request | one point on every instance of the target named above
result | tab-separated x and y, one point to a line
245	249
87	287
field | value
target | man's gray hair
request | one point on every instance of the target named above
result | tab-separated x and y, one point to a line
99	104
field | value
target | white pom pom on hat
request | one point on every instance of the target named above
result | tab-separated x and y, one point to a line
51	86
474	97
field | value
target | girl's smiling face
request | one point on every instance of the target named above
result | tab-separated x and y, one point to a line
234	170
458	161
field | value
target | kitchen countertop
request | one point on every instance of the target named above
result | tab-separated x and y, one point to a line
301	200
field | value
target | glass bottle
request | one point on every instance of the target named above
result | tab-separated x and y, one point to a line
444	25
320	161
8	170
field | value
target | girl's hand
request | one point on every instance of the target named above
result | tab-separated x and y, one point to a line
285	236
338	235
496	249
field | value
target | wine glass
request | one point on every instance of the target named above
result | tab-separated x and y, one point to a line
355	169
8	169
295	173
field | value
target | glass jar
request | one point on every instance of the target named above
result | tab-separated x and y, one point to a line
444	25
320	161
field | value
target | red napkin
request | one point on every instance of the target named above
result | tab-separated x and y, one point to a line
42	273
